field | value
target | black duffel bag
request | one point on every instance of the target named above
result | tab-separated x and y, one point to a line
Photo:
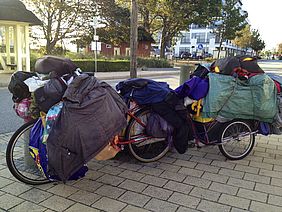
17	86
50	94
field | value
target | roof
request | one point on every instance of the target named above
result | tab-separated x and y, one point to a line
15	10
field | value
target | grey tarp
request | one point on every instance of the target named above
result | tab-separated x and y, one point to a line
92	114
232	98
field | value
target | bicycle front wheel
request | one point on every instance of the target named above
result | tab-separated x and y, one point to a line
143	147
237	140
19	161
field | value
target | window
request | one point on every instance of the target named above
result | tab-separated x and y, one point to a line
184	49
199	36
185	38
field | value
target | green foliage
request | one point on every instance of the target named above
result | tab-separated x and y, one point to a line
279	48
153	63
257	44
243	38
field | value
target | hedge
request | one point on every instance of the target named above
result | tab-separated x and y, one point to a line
102	66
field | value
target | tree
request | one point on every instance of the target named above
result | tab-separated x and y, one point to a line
231	20
60	18
279	48
257	44
243	37
173	16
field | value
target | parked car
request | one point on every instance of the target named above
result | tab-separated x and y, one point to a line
185	55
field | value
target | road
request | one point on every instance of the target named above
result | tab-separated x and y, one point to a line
10	122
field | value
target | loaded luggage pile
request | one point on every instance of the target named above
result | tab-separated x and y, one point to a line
73	111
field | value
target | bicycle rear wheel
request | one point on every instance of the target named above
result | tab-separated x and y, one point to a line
237	140
145	148
19	161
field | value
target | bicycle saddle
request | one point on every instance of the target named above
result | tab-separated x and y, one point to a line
55	65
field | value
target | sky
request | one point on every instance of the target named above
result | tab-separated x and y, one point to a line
265	16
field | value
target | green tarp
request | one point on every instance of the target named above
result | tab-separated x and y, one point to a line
232	98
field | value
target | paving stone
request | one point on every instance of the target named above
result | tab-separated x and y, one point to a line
223	188
63	190
252	170
130	166
167	159
252	195
209	168
269	189
166	166
241	183
178	156
196	152
200	160
257	178
110	205
111	180
93	175
205	194
261	165
264	154
110	191
16	188
57	203
206	205
184	200
151	171
184	209
84	197
223	164
5	173
173	176
89	185
157	192
237	210
133	185
274	151
4	182
130	208
152	180
35	195
277	168
268	146
276	182
255	158
179	187
111	170
79	207
231	173
28	206
185	163
272	161
275	200
244	162
134	198
199	182
131	175
234	201
160	206
215	177
258	206
8	201
191	172
215	156
269	173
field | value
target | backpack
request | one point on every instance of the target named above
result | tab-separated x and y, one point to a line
17	86
38	151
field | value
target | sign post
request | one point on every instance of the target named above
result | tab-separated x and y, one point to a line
95	24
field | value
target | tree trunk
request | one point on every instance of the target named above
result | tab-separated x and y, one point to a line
219	50
133	39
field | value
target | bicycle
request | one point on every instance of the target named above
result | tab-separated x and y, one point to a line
144	148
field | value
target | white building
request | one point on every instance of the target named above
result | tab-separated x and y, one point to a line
201	40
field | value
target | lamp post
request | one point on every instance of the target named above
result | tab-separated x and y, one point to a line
133	39
95	24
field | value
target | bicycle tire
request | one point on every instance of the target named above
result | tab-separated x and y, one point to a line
235	132
28	174
145	152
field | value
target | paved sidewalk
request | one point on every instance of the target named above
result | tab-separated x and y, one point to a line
200	180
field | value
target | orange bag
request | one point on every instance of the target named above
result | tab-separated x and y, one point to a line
109	151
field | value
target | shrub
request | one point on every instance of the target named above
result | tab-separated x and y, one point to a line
153	63
103	65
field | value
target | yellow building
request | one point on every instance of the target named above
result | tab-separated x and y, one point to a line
15	20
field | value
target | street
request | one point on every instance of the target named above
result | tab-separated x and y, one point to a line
10	122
